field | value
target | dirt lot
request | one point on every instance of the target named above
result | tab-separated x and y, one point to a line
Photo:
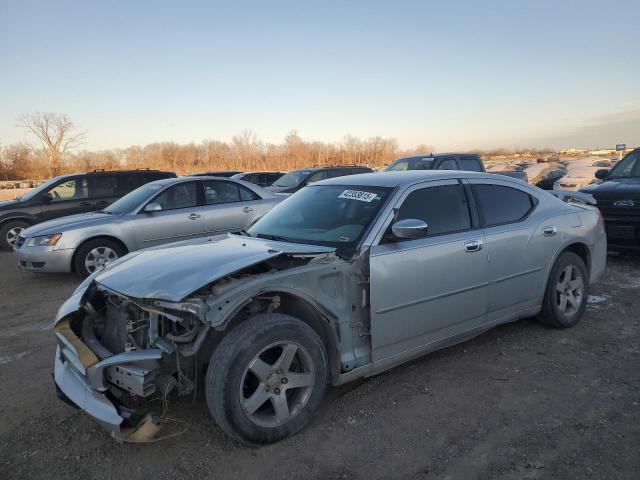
522	401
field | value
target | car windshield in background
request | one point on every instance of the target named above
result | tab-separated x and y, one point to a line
417	163
601	163
629	166
132	199
291	179
329	215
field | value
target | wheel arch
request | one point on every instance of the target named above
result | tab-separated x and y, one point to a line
18	218
579	248
296	305
96	237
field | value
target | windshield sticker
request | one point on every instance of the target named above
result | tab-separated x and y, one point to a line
358	195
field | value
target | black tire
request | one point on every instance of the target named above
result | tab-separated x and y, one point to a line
552	313
228	374
8	230
101	244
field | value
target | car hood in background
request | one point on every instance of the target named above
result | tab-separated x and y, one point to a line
9	203
72	222
627	187
173	272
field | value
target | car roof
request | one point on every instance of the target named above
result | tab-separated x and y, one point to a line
327	167
436	155
404	178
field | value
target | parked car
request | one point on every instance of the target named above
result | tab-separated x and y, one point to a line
551	177
262	179
439	161
224	173
67	195
157	213
580	176
344	279
513	171
618	197
293	181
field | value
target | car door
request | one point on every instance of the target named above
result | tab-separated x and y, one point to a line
229	207
516	244
67	197
180	218
431	288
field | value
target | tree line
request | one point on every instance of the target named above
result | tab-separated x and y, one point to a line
58	135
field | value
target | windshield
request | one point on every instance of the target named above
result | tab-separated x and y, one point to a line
291	179
42	188
629	166
132	199
329	215
413	163
601	163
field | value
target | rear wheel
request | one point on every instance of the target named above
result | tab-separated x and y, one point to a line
95	255
266	378
565	298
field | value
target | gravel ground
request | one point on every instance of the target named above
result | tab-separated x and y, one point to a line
521	401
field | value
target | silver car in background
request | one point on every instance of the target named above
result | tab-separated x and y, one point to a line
157	213
344	279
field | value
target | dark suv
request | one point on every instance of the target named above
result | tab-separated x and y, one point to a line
295	180
69	194
618	197
470	162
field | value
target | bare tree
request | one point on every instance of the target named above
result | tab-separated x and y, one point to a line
57	133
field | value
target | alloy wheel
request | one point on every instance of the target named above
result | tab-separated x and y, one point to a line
277	384
98	258
12	235
569	290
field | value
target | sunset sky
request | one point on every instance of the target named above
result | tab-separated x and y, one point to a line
455	74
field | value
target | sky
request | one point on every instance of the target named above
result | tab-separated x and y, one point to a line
455	74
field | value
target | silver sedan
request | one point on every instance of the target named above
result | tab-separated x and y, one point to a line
157	213
344	279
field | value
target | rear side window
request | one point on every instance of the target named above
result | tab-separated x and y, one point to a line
316	177
448	164
226	192
471	164
443	208
109	186
499	204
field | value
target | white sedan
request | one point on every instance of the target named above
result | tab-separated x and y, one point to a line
578	177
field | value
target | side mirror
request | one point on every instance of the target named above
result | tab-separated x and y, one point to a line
409	229
46	198
602	174
152	207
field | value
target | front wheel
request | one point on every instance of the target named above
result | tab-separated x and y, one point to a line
565	298
9	233
266	378
96	254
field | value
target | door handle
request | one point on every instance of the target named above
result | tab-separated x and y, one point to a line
84	204
194	216
549	230
473	246
247	209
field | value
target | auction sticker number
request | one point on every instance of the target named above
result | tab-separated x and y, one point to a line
358	195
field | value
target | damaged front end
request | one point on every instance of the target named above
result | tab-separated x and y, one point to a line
114	351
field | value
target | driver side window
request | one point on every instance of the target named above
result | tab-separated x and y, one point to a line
75	189
182	195
443	208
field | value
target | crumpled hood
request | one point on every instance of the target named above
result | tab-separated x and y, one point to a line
173	272
63	224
